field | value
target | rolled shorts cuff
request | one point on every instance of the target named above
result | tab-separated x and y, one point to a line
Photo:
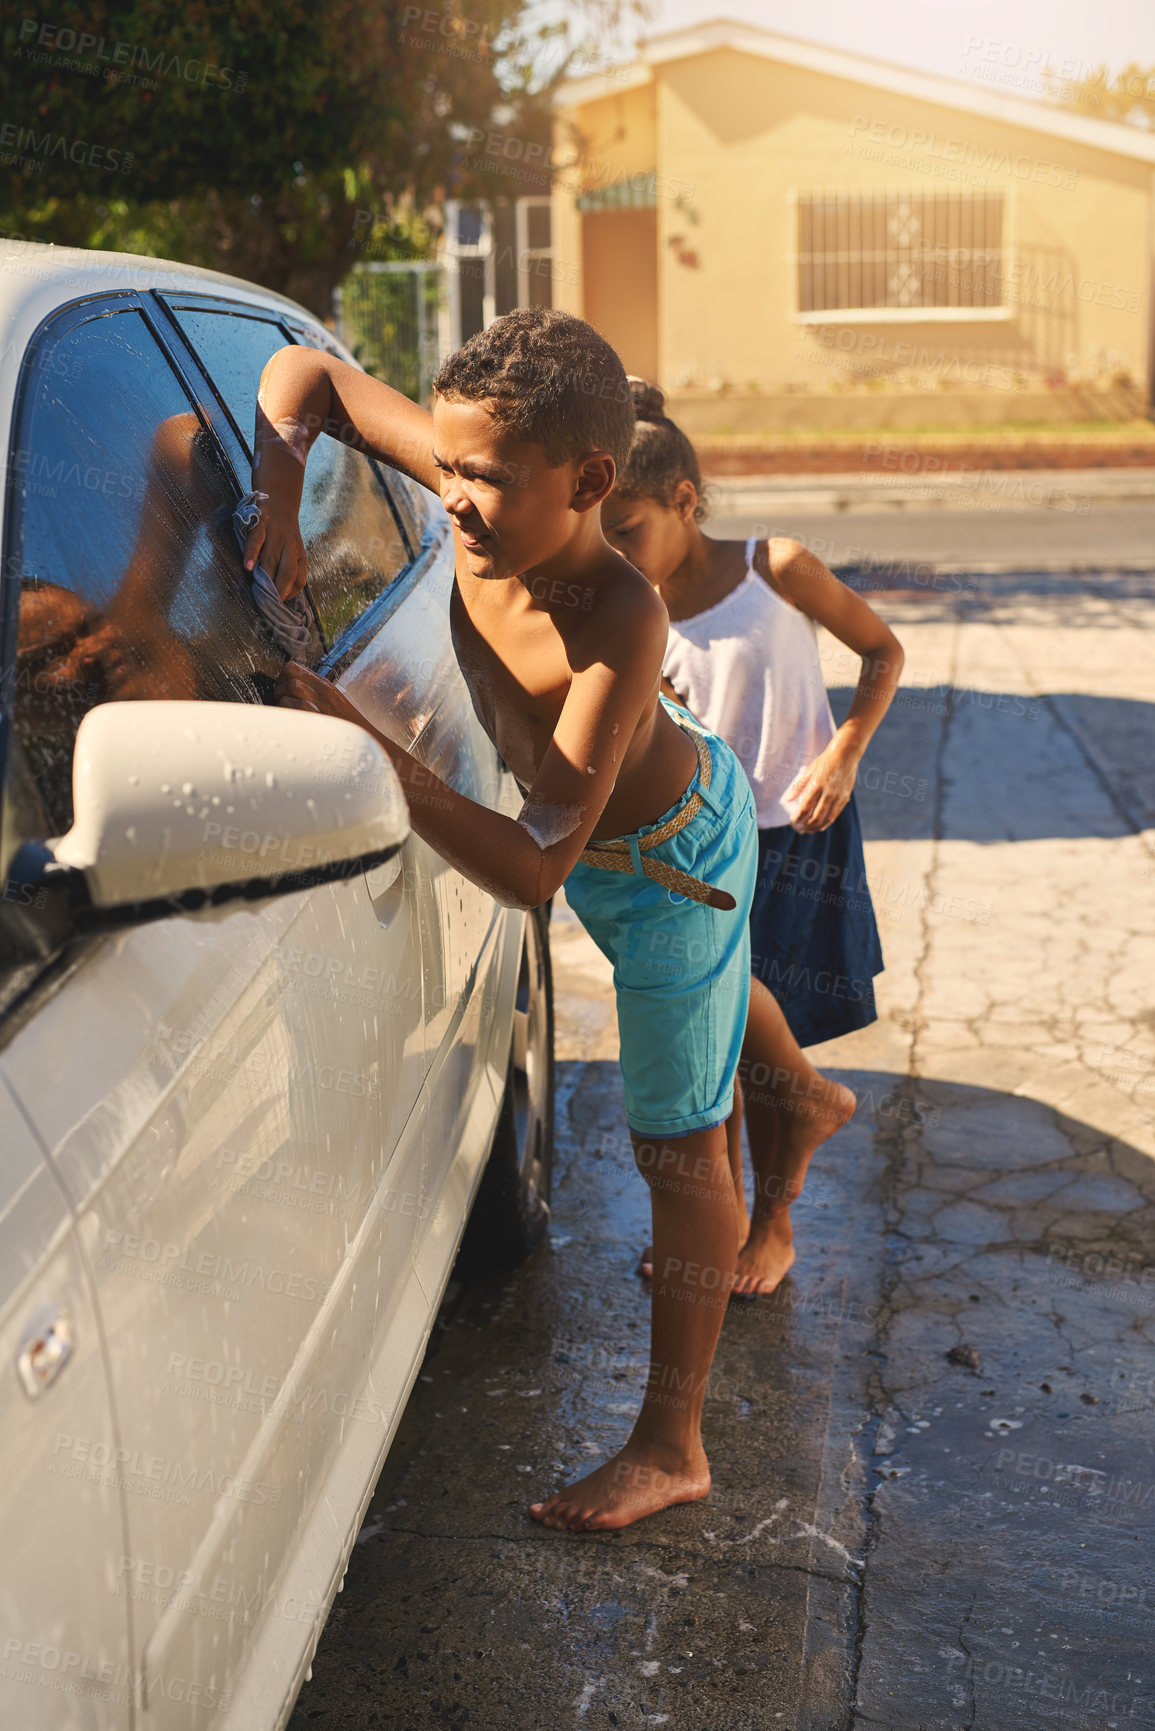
673	1128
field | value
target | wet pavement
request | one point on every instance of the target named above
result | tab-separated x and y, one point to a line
934	1473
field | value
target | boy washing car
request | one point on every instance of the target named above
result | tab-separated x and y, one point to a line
646	820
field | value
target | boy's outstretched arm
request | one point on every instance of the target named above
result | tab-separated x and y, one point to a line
304	392
522	862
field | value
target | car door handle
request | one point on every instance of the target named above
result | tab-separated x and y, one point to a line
386	886
45	1350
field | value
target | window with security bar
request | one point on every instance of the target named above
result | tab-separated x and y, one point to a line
871	251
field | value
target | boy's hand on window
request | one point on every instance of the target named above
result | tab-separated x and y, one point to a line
819	792
275	541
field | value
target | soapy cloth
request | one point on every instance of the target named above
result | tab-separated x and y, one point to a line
286	621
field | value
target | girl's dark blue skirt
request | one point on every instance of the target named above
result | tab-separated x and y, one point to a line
813	935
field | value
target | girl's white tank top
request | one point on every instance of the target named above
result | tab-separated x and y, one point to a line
748	668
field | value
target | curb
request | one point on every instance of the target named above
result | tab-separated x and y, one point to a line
922	576
1071	490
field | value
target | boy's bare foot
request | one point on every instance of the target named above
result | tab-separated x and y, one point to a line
768	1253
638	1481
646	1265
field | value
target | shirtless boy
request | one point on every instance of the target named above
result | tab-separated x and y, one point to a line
560	640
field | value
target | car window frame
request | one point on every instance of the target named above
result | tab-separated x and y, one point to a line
59	323
231	451
301	335
305	334
56	324
172	302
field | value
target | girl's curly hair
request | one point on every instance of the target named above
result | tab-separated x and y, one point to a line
661	454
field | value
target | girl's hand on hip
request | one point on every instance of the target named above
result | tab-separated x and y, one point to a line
818	793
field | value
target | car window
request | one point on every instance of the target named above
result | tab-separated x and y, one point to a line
353	546
233	348
354	543
410	502
130	582
413	506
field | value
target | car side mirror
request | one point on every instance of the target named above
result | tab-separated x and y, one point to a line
180	806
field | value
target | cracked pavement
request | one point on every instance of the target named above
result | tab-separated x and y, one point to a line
934	1475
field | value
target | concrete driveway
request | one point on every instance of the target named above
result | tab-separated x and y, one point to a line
934	1472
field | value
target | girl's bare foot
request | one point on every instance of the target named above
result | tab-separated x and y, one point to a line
638	1481
646	1265
768	1252
766	1257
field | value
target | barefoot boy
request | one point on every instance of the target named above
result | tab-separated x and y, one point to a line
649	825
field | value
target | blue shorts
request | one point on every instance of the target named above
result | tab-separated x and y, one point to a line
681	969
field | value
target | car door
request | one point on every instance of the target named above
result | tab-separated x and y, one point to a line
467	936
232	1101
65	1629
398	665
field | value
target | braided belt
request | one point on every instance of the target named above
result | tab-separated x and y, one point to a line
615	856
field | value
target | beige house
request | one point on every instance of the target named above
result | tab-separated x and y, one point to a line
782	234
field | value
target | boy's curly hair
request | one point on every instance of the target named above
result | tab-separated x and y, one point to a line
549	378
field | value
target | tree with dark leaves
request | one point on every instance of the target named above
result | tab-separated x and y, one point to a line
265	140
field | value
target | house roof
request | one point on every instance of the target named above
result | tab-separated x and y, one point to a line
655	51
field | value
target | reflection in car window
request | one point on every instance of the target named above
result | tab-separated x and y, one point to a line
130	579
410	501
412	504
353	546
233	349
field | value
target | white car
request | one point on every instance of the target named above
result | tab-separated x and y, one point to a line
257	1042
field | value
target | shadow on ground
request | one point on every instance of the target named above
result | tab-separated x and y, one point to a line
1013	767
934	1481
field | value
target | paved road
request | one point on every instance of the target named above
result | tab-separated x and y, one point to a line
894	1539
1102	536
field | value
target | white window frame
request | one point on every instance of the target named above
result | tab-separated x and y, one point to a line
903	315
525	252
484	248
455	251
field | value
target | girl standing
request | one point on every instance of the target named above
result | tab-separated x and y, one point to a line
742	657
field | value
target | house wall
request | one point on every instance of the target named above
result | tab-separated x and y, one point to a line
620	274
596	146
734	135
